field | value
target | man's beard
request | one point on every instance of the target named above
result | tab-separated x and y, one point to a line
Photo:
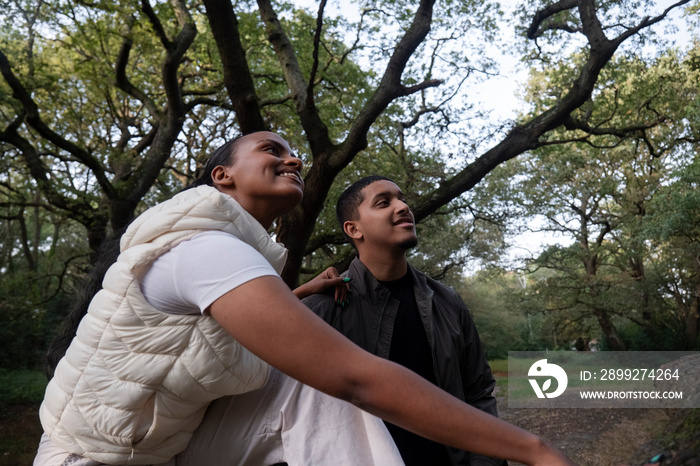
408	243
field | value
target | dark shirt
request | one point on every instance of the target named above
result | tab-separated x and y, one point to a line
410	348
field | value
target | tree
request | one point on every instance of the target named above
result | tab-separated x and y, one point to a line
611	193
40	256
492	298
672	227
107	104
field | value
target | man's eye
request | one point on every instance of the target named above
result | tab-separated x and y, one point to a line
272	149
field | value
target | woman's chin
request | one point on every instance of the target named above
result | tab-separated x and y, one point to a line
289	200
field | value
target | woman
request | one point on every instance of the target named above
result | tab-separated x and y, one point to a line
145	364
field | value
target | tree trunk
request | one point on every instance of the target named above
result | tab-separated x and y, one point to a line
691	320
614	341
295	228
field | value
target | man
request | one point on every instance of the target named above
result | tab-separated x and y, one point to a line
400	314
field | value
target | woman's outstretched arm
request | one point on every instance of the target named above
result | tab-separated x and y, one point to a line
266	317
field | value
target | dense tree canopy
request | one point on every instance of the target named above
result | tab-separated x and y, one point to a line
107	108
625	205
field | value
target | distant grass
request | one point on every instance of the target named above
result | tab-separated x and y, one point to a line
499	366
499	369
21	387
21	393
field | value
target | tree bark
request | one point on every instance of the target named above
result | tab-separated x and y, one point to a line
296	228
691	320
237	78
614	341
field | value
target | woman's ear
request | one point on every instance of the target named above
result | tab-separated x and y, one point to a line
222	176
351	229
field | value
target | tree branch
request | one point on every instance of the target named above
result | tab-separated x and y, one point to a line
526	136
155	22
420	86
281	100
122	81
164	134
572	124
302	91
237	76
317	41
173	59
319	241
648	21
33	118
534	30
390	86
78	209
416	116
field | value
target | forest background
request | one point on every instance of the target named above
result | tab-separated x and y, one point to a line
107	108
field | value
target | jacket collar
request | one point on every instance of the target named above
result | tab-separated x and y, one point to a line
365	284
197	210
369	287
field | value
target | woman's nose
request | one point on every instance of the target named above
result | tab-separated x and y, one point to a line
294	162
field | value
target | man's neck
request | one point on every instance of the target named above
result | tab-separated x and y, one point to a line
385	267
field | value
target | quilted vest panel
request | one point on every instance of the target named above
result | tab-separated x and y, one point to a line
135	382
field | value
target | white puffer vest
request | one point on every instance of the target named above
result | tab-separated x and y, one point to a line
135	382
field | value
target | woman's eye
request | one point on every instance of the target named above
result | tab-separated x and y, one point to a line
273	150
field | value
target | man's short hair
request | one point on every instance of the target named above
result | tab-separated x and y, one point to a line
350	200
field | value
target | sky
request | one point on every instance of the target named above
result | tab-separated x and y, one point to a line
500	94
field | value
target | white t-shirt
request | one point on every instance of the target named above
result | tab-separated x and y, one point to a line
195	273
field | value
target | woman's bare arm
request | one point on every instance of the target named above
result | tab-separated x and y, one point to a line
265	317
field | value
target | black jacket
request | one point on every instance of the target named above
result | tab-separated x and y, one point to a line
460	365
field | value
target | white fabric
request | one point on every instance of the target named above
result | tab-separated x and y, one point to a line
285	421
135	382
195	273
289	422
51	455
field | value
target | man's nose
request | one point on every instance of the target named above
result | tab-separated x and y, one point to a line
401	206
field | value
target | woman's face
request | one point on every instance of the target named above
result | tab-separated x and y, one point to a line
265	176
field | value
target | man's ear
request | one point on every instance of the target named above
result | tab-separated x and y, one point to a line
351	229
220	175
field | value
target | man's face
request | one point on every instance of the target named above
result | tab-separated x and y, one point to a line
384	219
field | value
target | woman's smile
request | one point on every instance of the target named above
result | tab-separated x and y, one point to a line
295	175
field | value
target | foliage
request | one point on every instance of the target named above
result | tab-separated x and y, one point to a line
107	109
626	204
42	254
27	326
493	301
21	387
